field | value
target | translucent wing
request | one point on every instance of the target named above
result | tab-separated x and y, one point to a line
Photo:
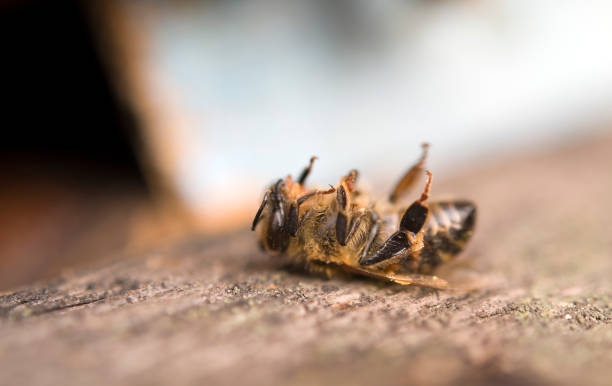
404	279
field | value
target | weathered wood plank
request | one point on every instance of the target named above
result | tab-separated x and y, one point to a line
217	311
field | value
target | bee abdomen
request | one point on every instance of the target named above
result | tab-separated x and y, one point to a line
448	228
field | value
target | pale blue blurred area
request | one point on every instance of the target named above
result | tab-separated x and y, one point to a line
362	83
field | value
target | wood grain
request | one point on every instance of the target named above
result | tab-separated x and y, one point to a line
218	311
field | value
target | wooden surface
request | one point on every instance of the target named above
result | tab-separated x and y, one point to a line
57	214
218	311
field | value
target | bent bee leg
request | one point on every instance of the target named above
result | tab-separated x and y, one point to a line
409	237
374	229
258	215
306	171
409	179
355	223
343	202
293	222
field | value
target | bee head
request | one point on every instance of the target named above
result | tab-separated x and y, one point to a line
273	211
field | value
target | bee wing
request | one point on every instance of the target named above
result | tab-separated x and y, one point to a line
420	280
404	279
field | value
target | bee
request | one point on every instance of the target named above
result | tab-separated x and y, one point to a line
342	229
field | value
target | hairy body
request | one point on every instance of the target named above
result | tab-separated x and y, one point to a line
342	229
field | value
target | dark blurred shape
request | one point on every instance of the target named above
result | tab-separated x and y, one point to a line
61	105
70	177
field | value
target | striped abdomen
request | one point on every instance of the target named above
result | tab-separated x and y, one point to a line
448	228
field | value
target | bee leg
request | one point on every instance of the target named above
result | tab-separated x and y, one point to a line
306	171
300	223
374	229
398	243
405	240
341	225
355	222
261	208
343	201
408	180
415	216
293	222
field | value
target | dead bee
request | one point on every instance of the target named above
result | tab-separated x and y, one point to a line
346	231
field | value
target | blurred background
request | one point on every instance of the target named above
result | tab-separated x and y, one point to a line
128	124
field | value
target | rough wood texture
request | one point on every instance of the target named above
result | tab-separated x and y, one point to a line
217	311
